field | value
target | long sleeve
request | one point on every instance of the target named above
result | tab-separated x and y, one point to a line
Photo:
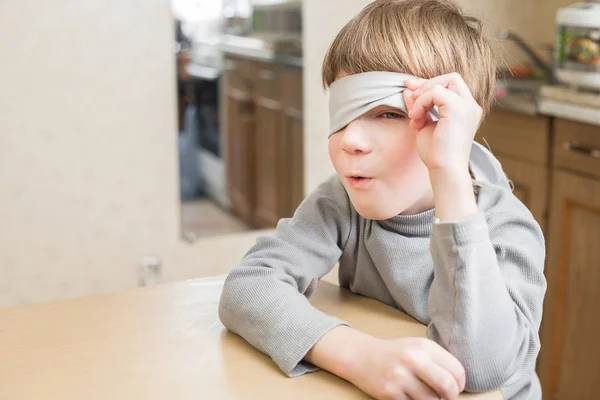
487	293
265	298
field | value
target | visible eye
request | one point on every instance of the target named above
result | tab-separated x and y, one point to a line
392	115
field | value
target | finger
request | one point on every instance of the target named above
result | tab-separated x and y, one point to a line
418	390
436	96
418	124
414	84
440	380
448	362
408	99
453	82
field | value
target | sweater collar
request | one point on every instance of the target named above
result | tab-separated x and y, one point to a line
418	225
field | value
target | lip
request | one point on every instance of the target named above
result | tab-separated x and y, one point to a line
358	182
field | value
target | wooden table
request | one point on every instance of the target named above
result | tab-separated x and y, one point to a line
166	342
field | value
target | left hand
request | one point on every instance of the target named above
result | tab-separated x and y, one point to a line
444	145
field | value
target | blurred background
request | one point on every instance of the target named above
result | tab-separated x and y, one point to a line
150	141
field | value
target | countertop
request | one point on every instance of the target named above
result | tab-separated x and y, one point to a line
522	103
517	94
568	103
532	97
166	342
259	50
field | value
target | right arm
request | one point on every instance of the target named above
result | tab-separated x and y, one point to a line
265	298
390	369
265	301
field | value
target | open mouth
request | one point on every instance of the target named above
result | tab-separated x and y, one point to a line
359	182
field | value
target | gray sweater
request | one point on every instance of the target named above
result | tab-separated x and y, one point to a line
477	284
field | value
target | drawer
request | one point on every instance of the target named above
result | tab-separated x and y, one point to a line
519	136
577	147
268	81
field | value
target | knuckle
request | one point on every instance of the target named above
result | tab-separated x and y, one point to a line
455	76
437	89
416	360
424	343
399	374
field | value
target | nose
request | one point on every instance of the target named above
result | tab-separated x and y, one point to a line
355	138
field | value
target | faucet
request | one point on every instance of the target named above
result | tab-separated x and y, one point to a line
506	34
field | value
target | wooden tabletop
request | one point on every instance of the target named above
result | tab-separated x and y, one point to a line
166	342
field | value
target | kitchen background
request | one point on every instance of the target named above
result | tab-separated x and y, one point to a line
152	141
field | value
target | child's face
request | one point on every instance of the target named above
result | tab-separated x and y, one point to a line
376	158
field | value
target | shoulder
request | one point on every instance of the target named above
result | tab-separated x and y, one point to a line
328	195
324	213
495	195
486	168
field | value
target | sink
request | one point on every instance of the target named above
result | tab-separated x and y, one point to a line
520	85
518	94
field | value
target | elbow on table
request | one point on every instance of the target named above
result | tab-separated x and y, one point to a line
483	378
230	306
496	371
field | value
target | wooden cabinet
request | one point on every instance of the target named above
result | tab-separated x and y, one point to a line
520	137
522	145
570	357
569	363
269	144
577	147
293	132
264	131
555	169
240	140
530	184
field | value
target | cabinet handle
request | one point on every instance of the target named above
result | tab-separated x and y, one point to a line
575	147
293	113
266	75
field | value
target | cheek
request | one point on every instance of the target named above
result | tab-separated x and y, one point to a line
405	167
401	152
332	146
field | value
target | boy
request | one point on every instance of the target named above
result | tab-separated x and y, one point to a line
418	215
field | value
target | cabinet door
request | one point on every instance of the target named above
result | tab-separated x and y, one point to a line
293	134
270	157
293	182
530	186
240	152
569	363
521	137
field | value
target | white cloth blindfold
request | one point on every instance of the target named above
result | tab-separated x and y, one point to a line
354	95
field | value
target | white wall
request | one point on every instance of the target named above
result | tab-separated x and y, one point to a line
88	152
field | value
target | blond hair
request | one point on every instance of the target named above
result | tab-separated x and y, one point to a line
425	38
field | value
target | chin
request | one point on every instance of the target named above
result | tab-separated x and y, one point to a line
374	210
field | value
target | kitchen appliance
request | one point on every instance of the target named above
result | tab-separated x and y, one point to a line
577	45
278	22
